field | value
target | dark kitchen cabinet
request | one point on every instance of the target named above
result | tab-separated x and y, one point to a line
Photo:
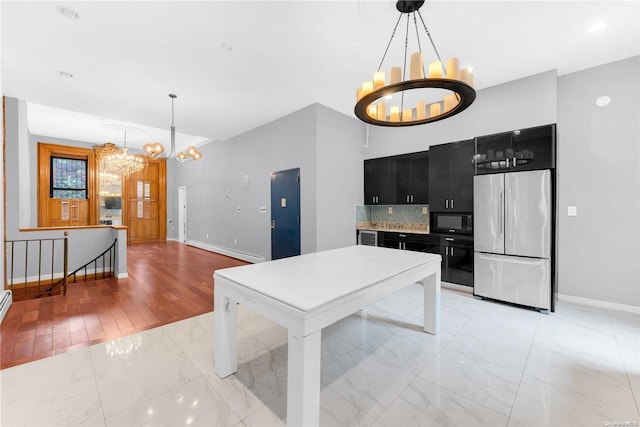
518	150
379	182
412	177
456	252
451	177
457	260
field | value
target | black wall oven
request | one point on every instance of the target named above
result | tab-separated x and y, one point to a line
449	222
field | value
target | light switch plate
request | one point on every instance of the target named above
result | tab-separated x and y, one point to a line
572	211
263	209
425	210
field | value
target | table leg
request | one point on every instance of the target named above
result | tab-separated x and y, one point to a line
225	346
303	380
432	303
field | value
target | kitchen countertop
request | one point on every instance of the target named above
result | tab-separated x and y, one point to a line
401	227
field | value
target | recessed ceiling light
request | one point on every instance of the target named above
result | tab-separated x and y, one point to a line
603	101
596	27
67	12
65	74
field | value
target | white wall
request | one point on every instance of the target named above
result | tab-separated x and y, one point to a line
599	172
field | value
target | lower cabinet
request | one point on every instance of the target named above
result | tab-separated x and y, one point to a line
456	252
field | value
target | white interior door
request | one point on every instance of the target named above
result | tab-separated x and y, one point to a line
182	214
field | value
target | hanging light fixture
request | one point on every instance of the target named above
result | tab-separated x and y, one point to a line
114	160
409	107
156	150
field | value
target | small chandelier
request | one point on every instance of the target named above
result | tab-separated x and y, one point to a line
119	161
156	150
371	105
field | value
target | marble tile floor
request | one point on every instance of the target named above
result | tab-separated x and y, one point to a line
491	365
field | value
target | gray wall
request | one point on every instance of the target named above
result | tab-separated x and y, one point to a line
518	104
340	177
599	159
287	143
324	144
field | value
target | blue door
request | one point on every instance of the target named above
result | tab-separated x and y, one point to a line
285	213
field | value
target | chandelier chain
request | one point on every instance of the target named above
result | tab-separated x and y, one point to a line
389	44
415	24
435	49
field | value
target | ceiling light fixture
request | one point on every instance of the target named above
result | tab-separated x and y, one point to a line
114	160
415	110
156	150
603	101
67	12
65	74
596	27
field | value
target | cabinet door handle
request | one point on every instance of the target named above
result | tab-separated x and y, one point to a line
412	198
451	251
407	198
446	204
451	203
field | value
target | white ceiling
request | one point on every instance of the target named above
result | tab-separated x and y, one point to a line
126	57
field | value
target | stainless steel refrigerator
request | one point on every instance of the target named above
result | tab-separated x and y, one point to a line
512	237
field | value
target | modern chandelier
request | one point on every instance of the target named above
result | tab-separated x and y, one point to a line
119	161
156	150
399	101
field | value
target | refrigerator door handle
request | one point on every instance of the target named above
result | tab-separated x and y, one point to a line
510	213
512	260
501	212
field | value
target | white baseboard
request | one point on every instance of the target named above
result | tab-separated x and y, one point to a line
228	252
122	275
5	302
601	304
456	287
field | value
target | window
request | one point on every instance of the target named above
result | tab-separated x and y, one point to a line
68	178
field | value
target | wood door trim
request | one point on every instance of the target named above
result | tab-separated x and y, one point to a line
45	152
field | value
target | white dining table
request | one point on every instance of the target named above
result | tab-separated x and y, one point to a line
309	292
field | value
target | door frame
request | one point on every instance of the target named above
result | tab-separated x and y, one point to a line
182	214
277	205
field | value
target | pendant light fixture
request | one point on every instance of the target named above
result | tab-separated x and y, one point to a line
156	150
399	100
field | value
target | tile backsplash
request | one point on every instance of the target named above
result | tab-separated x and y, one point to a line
400	213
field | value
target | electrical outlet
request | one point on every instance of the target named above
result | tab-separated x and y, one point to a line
235	241
390	210
207	235
572	211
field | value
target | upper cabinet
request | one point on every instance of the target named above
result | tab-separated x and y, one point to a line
397	180
451	177
412	178
379	182
518	150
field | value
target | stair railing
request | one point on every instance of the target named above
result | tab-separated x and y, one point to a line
30	280
102	271
26	280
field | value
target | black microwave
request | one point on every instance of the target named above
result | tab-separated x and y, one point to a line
448	222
